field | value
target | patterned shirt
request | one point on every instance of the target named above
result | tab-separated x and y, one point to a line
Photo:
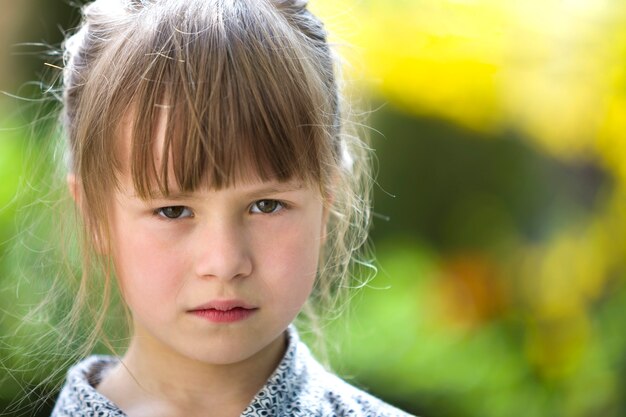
299	387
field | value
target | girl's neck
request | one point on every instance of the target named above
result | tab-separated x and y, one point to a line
151	378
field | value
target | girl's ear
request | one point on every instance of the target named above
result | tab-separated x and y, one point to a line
327	207
72	184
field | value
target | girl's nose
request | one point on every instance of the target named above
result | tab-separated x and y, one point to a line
223	252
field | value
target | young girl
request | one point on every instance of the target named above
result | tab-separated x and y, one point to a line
218	185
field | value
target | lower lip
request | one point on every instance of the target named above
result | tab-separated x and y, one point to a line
228	316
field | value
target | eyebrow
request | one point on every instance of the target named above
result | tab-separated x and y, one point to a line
174	195
277	188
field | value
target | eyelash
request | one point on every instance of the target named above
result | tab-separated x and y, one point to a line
279	207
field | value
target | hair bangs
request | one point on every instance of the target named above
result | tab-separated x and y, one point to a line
238	102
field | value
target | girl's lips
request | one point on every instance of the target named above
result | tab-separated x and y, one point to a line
224	316
224	305
224	311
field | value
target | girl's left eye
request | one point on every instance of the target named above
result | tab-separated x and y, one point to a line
174	212
266	206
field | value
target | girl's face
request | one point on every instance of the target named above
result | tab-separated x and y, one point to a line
217	276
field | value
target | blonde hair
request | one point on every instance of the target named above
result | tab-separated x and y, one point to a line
246	83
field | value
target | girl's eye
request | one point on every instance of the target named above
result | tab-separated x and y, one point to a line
266	206
174	212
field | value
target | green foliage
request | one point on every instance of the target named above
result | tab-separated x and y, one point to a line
401	345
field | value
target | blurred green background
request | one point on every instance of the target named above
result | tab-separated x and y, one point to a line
498	129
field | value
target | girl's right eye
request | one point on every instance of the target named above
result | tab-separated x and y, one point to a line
174	212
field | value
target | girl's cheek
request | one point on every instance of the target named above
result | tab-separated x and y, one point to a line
148	264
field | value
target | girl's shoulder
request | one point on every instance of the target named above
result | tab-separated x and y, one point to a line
332	396
302	387
78	396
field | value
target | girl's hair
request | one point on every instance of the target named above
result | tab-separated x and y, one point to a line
241	84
